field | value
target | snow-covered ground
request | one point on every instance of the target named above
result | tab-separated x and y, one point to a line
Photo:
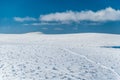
35	56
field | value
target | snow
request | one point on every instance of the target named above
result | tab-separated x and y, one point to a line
36	56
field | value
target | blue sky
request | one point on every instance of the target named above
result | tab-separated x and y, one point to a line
59	16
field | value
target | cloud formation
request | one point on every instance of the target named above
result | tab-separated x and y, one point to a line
87	17
19	19
43	23
108	14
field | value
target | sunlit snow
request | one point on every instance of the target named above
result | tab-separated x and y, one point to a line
35	56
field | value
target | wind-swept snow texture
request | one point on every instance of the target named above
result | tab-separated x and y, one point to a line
59	57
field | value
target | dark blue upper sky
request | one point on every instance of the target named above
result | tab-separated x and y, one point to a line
11	8
34	8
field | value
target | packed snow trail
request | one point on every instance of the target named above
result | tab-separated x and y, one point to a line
74	53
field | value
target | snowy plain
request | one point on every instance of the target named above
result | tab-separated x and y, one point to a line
35	56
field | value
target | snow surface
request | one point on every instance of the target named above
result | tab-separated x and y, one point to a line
35	56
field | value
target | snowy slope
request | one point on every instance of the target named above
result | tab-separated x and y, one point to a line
35	56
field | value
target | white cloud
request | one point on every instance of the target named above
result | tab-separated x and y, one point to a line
44	23
19	19
108	14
